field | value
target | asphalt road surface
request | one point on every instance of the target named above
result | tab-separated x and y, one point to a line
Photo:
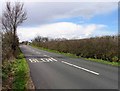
55	71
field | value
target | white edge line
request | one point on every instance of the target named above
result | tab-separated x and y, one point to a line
81	68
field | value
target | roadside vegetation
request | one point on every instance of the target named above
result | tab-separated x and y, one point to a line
99	49
15	70
15	74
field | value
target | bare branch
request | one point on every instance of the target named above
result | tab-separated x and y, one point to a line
12	17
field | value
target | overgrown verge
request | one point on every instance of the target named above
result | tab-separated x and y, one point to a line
74	56
15	74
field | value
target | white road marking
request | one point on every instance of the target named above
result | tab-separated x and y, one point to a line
46	60
33	60
49	60
53	59
46	55
30	60
43	60
36	60
96	73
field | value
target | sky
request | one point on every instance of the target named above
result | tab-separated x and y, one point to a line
71	20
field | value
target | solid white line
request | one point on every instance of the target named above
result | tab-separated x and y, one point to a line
53	59
81	68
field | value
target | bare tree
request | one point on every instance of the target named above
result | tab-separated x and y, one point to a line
12	17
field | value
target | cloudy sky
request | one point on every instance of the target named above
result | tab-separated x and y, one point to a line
69	20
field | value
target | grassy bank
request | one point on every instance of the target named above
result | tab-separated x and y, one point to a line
74	56
16	74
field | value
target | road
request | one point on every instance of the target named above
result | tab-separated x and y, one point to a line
55	71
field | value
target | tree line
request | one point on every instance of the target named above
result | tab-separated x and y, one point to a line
105	47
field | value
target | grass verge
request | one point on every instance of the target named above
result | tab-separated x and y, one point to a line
15	74
74	56
104	61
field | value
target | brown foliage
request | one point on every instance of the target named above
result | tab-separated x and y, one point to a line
105	47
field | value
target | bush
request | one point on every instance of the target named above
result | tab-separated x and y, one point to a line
105	47
115	59
7	46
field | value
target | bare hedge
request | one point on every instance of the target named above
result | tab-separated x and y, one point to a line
7	46
105	47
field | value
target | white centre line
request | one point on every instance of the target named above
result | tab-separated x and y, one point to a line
96	73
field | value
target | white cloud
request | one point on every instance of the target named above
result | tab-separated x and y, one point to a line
60	30
42	13
45	12
64	0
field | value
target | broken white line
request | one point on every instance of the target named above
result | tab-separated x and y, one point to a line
81	68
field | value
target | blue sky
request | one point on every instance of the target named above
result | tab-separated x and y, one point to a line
109	19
